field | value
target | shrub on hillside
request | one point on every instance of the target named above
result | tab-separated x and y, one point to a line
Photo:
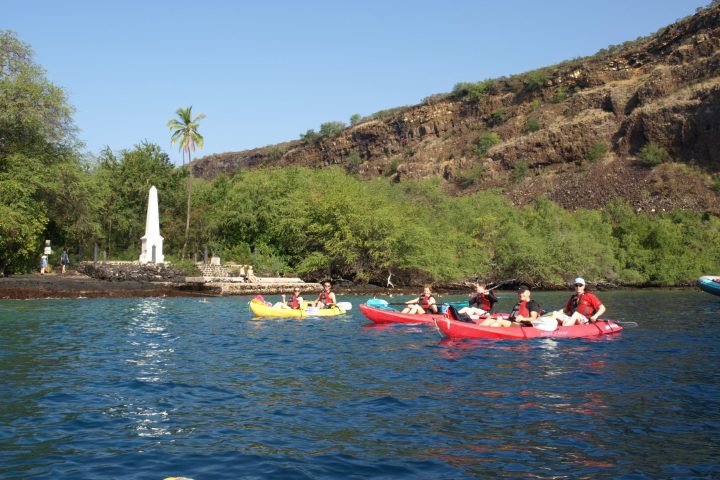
470	177
355	118
532	125
354	159
520	170
484	142
276	152
597	151
310	136
392	169
535	80
472	92
500	115
331	129
560	95
653	154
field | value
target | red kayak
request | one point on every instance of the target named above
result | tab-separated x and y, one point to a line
382	315
454	329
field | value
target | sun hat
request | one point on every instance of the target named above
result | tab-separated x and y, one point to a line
580	281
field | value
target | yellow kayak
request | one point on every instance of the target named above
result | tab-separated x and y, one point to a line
261	309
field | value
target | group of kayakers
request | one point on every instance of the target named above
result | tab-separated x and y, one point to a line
325	299
582	307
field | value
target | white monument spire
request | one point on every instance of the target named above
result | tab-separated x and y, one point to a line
152	241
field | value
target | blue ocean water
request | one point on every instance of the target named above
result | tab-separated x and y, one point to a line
148	388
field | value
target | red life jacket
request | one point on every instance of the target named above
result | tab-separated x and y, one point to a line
519	309
295	303
484	301
587	308
328	299
424	301
523	310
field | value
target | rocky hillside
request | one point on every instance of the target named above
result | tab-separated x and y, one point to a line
640	121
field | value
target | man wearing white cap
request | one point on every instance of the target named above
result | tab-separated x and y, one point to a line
583	307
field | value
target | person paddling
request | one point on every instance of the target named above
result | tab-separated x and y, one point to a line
425	303
523	313
481	302
326	299
582	307
296	302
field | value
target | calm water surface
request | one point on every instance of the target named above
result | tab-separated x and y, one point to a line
156	387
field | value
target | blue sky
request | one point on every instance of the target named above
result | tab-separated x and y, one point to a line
265	71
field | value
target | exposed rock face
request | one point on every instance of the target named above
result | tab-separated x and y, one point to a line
663	89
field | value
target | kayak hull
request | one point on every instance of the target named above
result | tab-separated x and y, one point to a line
260	309
454	329
379	315
709	284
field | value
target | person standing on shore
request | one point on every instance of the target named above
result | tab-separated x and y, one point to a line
64	260
43	264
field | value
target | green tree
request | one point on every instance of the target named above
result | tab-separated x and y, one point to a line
122	183
185	132
38	152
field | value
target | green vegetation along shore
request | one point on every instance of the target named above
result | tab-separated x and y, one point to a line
312	222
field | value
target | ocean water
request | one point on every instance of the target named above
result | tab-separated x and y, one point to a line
148	388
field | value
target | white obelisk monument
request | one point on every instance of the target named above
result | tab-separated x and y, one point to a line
152	241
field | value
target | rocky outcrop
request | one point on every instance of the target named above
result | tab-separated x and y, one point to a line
130	272
663	89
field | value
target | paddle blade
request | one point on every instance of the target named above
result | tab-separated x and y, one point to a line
347	306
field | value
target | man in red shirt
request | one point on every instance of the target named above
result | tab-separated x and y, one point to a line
583	307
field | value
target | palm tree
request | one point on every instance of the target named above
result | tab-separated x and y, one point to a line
184	129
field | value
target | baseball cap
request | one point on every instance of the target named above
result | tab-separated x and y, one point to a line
579	281
523	289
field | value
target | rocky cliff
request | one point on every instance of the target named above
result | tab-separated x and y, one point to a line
641	121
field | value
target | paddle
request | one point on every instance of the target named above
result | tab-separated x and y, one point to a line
501	284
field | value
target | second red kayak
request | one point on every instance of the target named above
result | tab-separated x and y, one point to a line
455	329
381	315
384	315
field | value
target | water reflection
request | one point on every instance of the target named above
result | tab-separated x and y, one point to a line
150	353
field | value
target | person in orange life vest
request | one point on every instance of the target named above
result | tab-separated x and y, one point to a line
326	298
425	303
582	307
523	313
481	302
296	302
